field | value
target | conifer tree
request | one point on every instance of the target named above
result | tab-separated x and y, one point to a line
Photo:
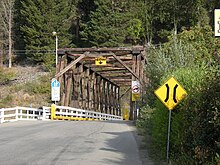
39	19
107	25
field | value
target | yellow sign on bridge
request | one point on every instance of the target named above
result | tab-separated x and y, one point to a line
100	60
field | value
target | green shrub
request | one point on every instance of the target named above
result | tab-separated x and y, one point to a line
194	61
6	75
203	120
38	87
5	101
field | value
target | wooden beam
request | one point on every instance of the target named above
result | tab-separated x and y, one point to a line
98	93
89	55
96	49
105	49
75	89
96	73
70	65
126	76
138	65
123	64
92	95
120	83
119	105
121	80
81	92
115	63
126	92
87	88
117	72
108	98
124	84
108	58
68	88
109	69
101	94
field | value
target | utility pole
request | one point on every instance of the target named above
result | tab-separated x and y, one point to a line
9	36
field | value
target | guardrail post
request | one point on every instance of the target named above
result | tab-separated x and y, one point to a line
16	113
2	116
27	113
53	110
44	114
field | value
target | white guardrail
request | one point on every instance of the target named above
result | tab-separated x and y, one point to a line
79	113
25	113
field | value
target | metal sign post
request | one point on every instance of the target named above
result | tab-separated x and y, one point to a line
135	87
168	136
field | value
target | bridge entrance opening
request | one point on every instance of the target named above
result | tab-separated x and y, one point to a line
97	79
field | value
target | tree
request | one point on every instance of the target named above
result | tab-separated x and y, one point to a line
7	21
1	40
39	19
107	24
135	29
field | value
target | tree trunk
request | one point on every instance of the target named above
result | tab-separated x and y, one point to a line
7	22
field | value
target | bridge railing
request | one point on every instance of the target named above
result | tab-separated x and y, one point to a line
63	112
23	113
44	113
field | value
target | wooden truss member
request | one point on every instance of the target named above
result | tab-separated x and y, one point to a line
87	86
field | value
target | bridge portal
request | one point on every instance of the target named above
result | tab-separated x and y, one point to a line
96	78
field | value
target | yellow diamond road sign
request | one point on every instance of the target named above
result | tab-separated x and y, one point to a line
100	61
171	93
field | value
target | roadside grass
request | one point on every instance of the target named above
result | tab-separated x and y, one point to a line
148	147
41	86
6	101
32	94
6	75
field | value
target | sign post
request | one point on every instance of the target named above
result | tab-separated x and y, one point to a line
170	94
55	90
136	88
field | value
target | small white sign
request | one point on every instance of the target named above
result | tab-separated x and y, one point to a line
55	90
217	22
135	87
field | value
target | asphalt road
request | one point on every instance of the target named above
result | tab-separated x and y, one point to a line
68	143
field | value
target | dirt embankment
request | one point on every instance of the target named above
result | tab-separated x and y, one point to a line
21	88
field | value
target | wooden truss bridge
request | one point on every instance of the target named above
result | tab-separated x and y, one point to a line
94	86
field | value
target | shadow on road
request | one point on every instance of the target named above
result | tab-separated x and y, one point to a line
126	143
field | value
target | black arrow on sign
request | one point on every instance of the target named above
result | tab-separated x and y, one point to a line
168	93
174	93
219	26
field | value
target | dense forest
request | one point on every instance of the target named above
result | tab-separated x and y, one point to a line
179	40
26	26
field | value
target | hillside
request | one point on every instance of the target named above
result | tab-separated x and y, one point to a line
24	86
